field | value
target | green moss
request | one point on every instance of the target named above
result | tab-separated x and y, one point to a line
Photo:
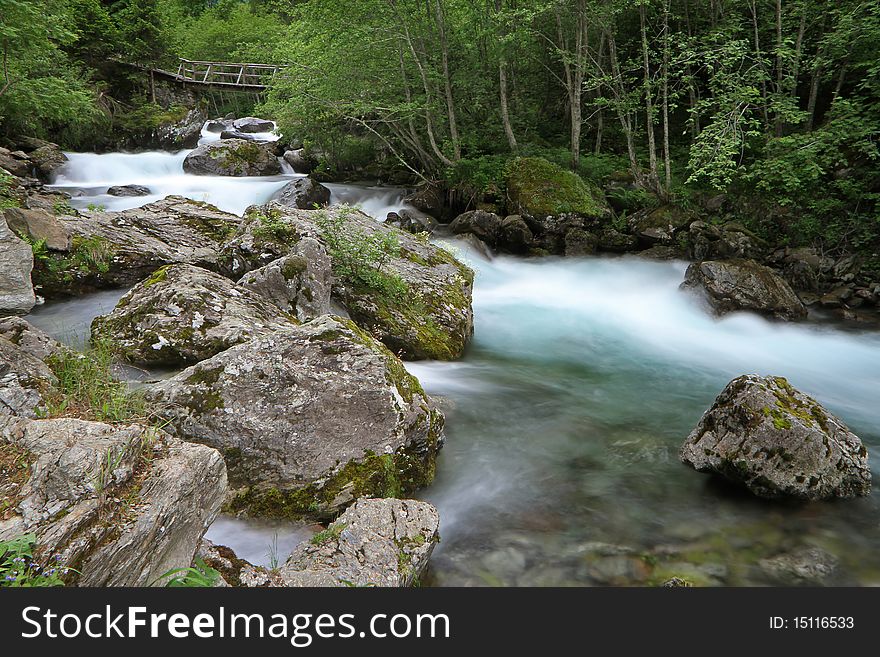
386	475
330	534
88	260
204	398
788	404
157	276
294	266
540	188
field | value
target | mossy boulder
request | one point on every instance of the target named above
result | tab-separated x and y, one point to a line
233	157
309	418
182	314
417	300
118	249
659	226
376	542
733	285
778	442
539	189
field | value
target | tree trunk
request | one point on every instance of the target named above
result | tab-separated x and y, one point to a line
779	76
502	88
447	81
623	117
759	56
667	162
505	112
653	176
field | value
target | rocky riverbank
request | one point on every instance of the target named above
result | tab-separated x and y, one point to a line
286	329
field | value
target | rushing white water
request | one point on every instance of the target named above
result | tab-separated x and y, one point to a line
566	414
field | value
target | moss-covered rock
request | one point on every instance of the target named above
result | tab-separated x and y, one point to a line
182	314
778	442
309	418
732	285
116	249
538	188
233	157
410	294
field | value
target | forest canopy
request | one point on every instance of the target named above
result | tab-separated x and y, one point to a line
773	102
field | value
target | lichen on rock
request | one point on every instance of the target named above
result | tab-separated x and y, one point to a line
308	418
778	442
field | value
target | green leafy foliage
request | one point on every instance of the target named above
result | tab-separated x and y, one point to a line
19	569
200	575
360	257
87	387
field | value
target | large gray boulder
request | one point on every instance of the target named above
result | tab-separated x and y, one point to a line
183	133
182	314
16	262
303	193
298	159
299	283
778	442
252	124
118	249
233	157
417	301
39	226
308	418
485	225
25	381
376	542
732	285
122	505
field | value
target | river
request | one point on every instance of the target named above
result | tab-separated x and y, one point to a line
565	416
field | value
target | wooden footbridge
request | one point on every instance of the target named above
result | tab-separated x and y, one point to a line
221	75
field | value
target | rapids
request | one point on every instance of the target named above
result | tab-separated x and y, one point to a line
565	416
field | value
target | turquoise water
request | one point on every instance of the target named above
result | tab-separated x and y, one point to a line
565	417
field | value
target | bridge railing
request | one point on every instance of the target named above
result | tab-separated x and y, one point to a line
227	73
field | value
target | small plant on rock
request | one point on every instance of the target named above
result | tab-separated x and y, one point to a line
19	569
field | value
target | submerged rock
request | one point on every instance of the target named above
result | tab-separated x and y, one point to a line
304	193
732	285
116	249
376	542
122	505
233	157
16	262
778	442
309	418
129	190
810	566
184	314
